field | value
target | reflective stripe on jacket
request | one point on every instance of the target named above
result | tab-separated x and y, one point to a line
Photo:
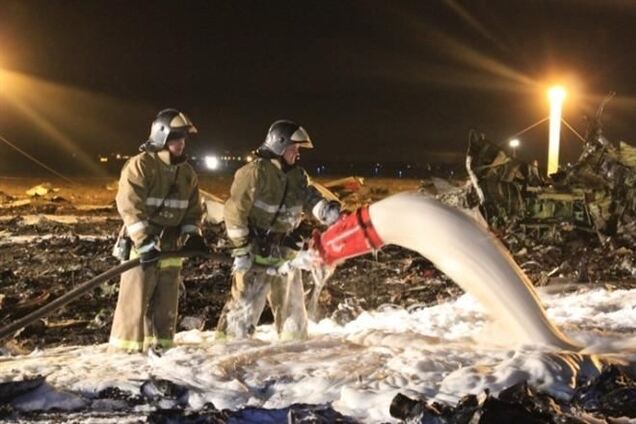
153	195
256	194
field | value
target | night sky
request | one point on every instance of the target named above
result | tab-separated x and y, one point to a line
369	80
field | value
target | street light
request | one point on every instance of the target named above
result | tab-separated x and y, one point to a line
514	144
556	95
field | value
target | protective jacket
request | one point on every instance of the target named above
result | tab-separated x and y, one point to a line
265	199
153	195
159	201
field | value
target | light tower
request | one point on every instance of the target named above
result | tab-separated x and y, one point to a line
556	95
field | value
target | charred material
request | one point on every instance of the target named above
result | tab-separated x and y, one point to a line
611	394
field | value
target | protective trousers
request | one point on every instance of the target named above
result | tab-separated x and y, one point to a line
147	305
250	290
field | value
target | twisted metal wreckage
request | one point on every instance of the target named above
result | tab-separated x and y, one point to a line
595	195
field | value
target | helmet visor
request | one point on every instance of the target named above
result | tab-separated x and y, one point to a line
301	138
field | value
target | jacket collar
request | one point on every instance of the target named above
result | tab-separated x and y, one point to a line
166	158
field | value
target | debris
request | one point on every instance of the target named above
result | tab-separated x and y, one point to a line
13	389
344	186
212	207
112	186
164	393
613	392
213	211
41	190
5	198
188	323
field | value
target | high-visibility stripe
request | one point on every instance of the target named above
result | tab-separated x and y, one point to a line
136	227
236	232
153	341
171	263
265	206
286	336
125	344
187	229
268	261
269	208
165	342
169	203
221	336
240	251
146	247
296	210
164	263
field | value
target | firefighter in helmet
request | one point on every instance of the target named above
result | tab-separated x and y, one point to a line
267	200
158	200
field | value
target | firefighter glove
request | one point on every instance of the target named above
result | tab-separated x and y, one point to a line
327	211
304	259
243	263
195	242
148	253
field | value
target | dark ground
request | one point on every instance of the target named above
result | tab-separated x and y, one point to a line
59	256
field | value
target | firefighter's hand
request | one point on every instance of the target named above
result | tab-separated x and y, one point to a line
243	263
148	253
195	242
332	212
327	211
304	259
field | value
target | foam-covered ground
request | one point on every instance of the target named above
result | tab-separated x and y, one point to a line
442	352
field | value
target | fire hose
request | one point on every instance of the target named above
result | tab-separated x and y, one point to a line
452	241
354	232
96	281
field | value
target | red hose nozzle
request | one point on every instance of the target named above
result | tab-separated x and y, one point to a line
352	235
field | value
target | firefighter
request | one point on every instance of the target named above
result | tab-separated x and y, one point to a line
158	200
267	200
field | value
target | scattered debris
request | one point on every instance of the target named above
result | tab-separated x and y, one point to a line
41	190
611	394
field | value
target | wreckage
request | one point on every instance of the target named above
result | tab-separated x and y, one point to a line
594	195
512	199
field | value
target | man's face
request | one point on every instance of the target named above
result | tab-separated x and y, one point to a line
176	146
291	154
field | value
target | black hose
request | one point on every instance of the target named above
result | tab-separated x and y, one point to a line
96	281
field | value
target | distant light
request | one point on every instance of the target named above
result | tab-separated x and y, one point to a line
118	156
249	158
514	143
103	159
556	95
211	162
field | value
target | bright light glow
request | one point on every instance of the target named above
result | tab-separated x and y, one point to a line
249	158
556	95
514	143
212	162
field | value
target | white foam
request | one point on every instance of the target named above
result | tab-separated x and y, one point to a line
473	258
436	352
